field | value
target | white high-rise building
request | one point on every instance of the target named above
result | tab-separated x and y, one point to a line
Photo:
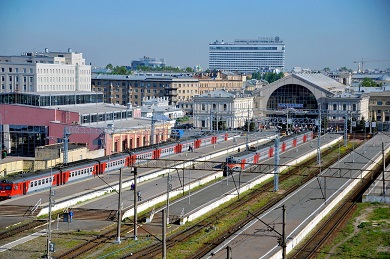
247	56
45	72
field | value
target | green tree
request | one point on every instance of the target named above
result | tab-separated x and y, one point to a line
252	125
368	82
345	69
361	125
269	77
256	75
163	69
110	66
327	69
121	70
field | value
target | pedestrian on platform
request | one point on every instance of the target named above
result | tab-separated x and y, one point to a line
70	215
139	195
132	187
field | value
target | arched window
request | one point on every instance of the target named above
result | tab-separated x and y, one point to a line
292	94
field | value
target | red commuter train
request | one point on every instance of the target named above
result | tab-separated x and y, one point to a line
22	184
244	159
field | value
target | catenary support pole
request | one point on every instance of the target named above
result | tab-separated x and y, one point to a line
118	229
284	244
319	139
229	252
49	223
135	203
164	235
384	169
168	190
276	166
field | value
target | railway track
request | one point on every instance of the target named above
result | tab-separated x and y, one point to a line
338	218
311	171
20	229
155	249
92	243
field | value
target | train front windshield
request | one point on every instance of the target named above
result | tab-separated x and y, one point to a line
5	187
231	159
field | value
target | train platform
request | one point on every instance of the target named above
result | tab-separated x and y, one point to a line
7	221
379	191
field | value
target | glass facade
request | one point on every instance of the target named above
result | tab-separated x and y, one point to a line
292	96
25	138
50	99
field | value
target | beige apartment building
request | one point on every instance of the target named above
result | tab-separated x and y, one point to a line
186	90
209	82
379	106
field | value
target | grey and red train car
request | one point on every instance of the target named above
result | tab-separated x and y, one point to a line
26	183
246	158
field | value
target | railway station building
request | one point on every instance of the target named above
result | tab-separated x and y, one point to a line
305	94
222	110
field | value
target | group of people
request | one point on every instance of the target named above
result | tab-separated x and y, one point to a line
132	187
70	214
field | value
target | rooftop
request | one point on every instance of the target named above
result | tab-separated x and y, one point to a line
92	108
143	77
224	94
321	81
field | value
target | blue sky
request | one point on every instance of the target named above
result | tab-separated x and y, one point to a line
317	34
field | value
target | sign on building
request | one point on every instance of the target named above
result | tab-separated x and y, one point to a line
290	105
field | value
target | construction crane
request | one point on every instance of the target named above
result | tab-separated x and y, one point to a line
361	63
